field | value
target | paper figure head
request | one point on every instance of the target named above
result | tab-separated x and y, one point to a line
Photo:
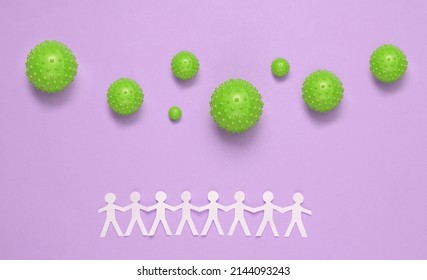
161	196
110	198
298	197
239	196
135	197
213	196
268	196
186	196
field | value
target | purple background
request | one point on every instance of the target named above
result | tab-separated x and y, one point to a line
362	167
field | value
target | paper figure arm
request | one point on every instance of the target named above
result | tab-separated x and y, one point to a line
251	209
150	208
172	208
225	208
257	209
121	209
198	208
285	209
103	209
306	211
278	209
126	208
144	208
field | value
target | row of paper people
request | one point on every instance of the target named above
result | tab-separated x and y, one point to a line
212	207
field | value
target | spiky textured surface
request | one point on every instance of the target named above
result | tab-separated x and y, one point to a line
175	113
322	91
280	67
388	63
51	66
185	65
125	96
236	105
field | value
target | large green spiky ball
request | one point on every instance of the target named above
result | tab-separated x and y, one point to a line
236	105
185	65
125	96
388	63
51	66
280	67
322	91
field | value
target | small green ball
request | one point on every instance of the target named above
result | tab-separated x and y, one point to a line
322	91
175	113
185	65
125	96
280	67
51	66
236	105
388	63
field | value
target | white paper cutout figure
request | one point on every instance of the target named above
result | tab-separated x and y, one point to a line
160	208
110	210
136	214
239	213
213	207
186	208
268	209
297	211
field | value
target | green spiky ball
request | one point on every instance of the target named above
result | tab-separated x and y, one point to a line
322	91
388	63
175	113
125	96
51	66
280	67
236	105
185	65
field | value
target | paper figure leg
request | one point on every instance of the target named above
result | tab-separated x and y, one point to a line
233	227
218	227
166	227
207	226
302	229
273	228
117	228
245	227
290	227
154	227
130	227
261	227
105	228
142	227
180	227
192	227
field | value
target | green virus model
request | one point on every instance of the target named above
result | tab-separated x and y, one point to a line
125	96
185	65
236	105
322	91
388	63
175	113
51	66
280	67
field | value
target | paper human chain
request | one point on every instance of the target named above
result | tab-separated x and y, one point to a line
213	207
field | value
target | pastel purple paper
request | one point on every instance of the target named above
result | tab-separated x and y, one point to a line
362	168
